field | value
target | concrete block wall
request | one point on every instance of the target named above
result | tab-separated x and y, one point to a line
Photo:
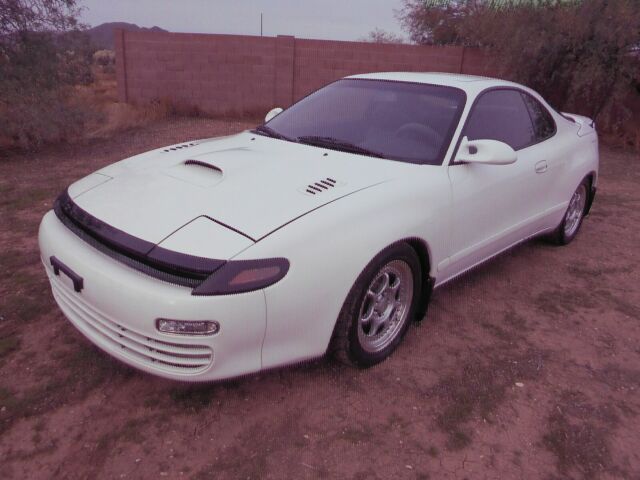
239	75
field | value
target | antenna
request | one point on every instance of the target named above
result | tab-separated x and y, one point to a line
261	15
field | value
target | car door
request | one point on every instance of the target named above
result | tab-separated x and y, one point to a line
553	150
495	206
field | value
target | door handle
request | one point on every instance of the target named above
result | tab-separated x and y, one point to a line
58	266
541	166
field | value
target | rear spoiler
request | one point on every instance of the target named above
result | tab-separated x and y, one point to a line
586	124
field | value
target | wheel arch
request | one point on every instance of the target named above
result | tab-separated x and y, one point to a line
592	178
421	248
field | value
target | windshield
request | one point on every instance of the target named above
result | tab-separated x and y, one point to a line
410	122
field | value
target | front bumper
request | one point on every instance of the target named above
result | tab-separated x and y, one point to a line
118	307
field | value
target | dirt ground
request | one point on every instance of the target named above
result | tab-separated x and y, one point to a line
527	368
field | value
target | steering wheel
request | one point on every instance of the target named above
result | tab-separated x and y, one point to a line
417	132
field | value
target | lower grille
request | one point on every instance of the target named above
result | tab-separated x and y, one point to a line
160	355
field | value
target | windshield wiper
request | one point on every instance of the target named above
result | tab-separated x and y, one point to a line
270	132
334	143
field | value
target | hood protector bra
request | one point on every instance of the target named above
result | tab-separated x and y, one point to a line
144	256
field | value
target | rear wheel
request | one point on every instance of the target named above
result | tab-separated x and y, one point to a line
379	308
570	225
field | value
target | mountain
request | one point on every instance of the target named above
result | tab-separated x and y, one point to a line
103	38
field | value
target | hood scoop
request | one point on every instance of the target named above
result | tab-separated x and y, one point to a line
200	163
196	172
320	186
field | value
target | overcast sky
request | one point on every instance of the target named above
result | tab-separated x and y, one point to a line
323	19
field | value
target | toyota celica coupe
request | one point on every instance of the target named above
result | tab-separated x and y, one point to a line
323	230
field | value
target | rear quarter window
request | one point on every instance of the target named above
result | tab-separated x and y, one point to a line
543	124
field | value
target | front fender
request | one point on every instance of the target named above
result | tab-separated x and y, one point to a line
327	251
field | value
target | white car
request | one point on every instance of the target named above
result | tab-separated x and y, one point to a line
325	229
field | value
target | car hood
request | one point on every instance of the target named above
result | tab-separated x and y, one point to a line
248	183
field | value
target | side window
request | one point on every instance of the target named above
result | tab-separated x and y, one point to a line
543	124
501	115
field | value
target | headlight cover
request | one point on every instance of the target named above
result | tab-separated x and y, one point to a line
242	276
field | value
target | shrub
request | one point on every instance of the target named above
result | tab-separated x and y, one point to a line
43	53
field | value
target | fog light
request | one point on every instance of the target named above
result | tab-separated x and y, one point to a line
187	327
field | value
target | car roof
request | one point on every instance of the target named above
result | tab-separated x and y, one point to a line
469	83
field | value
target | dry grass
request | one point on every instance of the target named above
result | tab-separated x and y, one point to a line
113	116
103	115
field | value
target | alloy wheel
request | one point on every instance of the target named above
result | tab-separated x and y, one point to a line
385	306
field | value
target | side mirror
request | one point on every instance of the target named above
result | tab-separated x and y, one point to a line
489	152
273	113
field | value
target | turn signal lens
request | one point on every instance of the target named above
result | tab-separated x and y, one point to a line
243	276
187	327
254	275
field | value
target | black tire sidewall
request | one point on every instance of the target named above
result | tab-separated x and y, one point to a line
400	251
563	238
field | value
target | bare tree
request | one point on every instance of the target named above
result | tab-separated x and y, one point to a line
435	22
18	16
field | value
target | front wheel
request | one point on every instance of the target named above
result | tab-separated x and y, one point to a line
568	228
379	307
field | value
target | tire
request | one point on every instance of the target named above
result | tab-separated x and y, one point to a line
573	217
379	308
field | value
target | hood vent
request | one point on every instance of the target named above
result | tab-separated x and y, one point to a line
180	147
320	186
